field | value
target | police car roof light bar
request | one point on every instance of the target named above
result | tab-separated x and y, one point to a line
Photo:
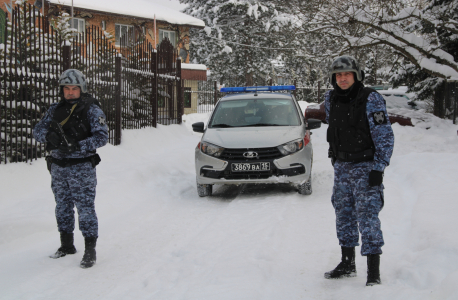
258	89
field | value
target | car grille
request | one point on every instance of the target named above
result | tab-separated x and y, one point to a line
263	153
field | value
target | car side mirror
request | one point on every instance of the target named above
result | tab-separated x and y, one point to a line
313	124
198	127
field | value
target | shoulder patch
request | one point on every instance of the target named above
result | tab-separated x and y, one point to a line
379	118
102	121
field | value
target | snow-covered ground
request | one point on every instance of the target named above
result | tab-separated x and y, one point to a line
159	240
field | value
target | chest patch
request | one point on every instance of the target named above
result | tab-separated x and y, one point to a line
379	118
102	121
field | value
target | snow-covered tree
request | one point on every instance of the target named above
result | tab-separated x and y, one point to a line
438	25
371	69
62	26
422	35
29	49
240	38
417	37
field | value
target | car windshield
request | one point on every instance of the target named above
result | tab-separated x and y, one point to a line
255	112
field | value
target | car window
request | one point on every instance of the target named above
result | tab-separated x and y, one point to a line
255	112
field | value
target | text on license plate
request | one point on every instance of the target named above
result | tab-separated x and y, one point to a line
250	167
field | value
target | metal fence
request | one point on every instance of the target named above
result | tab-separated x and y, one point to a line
168	85
200	96
30	59
94	55
151	89
136	85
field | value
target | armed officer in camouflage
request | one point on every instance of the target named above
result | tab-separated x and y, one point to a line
360	146
73	129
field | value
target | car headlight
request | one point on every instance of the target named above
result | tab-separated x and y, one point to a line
291	147
211	149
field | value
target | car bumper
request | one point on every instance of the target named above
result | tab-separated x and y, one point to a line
293	168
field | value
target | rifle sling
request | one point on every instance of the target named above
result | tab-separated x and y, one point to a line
68	118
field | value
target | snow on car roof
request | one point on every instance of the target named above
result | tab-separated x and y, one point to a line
135	8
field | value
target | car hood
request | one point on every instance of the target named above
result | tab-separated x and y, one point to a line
253	137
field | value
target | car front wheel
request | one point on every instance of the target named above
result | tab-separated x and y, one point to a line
204	190
306	187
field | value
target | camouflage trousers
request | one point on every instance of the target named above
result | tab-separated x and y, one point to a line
75	186
357	206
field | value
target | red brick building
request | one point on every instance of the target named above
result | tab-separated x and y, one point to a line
117	17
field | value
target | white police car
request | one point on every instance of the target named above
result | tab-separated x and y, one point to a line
255	135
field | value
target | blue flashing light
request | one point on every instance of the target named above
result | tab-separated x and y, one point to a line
258	89
233	89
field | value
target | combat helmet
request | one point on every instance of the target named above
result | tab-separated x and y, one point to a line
73	77
345	63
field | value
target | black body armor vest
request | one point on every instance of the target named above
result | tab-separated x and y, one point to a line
77	127
348	133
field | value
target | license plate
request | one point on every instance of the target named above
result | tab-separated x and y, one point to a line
250	167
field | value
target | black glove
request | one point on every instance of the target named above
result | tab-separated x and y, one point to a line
332	157
53	138
70	148
375	178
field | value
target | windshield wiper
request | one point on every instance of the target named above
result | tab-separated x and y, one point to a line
222	125
262	124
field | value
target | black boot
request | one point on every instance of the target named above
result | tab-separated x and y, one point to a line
67	247
373	269
89	256
346	268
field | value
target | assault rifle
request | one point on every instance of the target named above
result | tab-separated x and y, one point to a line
57	128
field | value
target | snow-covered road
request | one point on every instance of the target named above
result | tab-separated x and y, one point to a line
159	240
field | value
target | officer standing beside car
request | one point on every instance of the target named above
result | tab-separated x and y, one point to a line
73	129
361	143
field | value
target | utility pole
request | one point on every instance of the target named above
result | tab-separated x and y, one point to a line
72	17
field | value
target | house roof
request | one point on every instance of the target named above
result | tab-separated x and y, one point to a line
135	8
199	67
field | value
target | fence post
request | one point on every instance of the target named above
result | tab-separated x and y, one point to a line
454	104
447	100
118	109
294	92
154	85
66	62
215	95
178	84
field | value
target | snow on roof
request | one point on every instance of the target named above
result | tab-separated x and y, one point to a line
193	67
135	8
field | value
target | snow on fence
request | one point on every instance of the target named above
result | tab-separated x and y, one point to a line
151	83
123	79
30	58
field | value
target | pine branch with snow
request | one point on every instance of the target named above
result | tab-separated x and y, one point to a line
240	38
61	24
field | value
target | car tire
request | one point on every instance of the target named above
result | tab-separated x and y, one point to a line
204	190
306	187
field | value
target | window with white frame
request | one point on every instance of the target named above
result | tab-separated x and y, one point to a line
121	30
171	35
78	24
